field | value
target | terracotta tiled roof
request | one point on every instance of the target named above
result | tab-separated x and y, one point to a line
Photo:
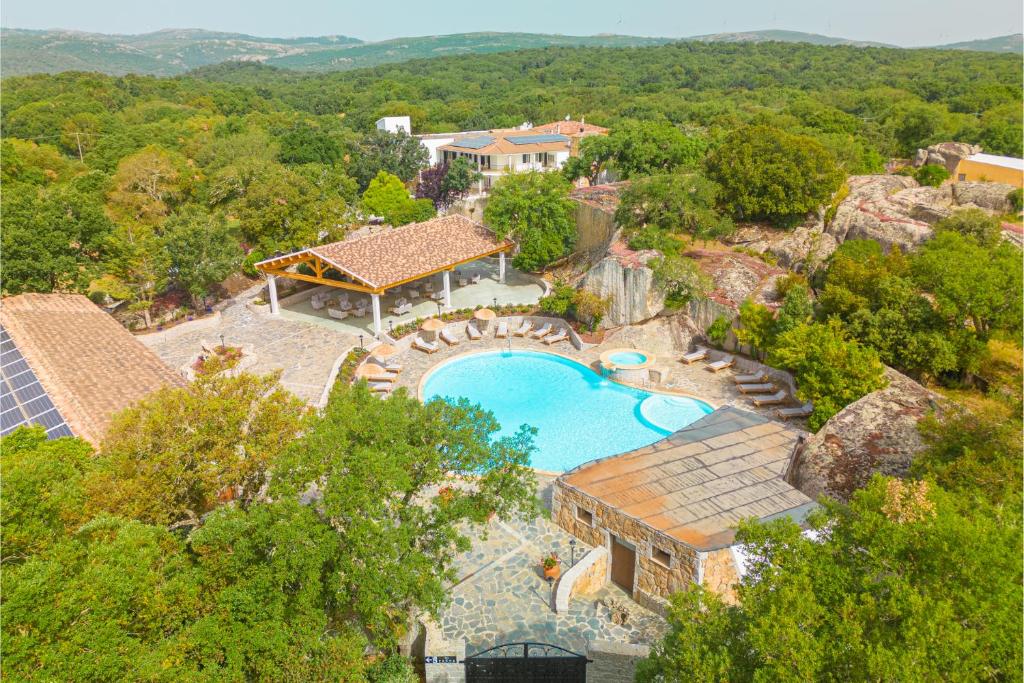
90	365
698	483
395	255
571	128
501	144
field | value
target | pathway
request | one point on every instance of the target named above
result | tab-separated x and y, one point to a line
304	353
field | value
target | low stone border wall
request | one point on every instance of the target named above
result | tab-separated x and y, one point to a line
614	662
586	576
208	322
444	660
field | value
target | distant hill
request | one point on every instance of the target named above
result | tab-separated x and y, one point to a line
1013	43
175	51
783	37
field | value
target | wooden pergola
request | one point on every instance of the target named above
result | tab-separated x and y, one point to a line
389	258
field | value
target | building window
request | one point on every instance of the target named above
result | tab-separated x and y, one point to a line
585	516
661	557
961	176
526	158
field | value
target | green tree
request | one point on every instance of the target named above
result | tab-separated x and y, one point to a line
533	209
202	251
680	203
399	154
387	197
148	185
640	148
590	308
931	175
901	584
680	279
595	152
983	228
167	459
768	173
377	465
830	370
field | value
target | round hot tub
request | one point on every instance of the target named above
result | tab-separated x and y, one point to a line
627	365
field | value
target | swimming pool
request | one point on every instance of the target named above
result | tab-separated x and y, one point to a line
579	415
628	358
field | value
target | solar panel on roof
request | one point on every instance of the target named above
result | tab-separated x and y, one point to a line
474	143
536	139
22	398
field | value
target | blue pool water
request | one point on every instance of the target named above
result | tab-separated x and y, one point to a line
628	358
579	415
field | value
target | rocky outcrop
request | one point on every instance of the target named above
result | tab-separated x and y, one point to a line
993	197
877	433
801	250
871	211
737	277
946	154
623	276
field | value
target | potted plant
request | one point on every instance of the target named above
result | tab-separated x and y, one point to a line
446	494
551	565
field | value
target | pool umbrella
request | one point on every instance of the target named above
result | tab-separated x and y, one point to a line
432	326
485	316
383	351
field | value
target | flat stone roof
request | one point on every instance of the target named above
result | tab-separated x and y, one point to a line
698	483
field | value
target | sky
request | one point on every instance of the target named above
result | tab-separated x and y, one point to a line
902	22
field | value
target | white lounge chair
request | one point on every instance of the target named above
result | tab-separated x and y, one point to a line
694	356
337	313
381	387
378	376
755	378
537	334
765	388
802	411
561	335
472	332
423	345
524	329
387	366
726	362
448	338
502	329
402	309
776	398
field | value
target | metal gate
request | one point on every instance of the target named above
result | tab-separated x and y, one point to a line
526	663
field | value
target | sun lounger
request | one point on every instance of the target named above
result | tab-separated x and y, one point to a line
502	329
766	388
694	356
472	332
381	376
448	338
381	387
720	364
537	334
776	398
423	345
561	335
802	411
386	366
524	329
755	378
337	313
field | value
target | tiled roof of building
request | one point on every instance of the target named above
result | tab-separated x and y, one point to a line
570	128
89	365
392	256
698	483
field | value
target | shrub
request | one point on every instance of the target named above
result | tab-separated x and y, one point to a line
559	302
931	175
680	279
719	330
650	237
842	193
1016	199
590	308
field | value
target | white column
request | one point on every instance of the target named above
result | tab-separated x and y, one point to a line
501	266
272	288
376	314
447	289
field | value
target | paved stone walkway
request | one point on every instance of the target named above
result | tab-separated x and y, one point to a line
502	595
305	353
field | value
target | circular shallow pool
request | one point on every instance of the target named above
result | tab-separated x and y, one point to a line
579	415
628	358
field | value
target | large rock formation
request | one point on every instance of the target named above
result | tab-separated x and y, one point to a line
993	197
946	154
877	433
623	276
737	276
801	250
875	210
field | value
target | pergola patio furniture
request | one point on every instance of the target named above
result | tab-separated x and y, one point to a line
390	258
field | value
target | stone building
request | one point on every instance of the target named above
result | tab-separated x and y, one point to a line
667	513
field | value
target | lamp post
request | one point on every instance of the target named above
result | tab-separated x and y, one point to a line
222	346
551	590
360	342
572	549
391	326
438	308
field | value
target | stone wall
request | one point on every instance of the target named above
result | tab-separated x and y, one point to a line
436	647
630	286
587	576
719	573
654	581
614	662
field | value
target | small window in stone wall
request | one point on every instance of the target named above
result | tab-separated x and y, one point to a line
661	557
585	516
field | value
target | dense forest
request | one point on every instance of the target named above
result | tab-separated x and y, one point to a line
266	159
